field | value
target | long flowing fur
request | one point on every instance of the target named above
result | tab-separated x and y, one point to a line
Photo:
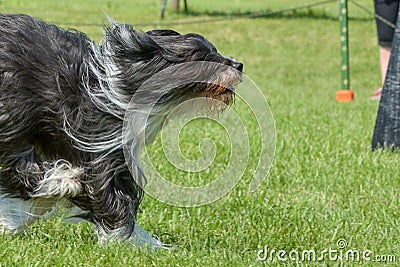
62	105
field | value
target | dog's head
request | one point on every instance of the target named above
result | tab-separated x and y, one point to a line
159	70
136	56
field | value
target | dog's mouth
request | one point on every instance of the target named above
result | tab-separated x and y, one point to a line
223	87
217	96
214	83
221	93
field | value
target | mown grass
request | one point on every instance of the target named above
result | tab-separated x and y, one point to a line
325	183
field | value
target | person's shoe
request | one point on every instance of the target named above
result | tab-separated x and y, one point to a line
377	95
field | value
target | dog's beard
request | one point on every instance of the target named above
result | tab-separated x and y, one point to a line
211	83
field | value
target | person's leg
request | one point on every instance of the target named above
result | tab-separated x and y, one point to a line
387	9
384	53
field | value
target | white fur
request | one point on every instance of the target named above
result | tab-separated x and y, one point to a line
106	96
60	181
142	238
139	238
16	214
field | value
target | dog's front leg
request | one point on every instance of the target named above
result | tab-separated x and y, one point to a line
30	188
17	214
138	237
116	198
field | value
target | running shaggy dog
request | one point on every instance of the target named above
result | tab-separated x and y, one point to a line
62	105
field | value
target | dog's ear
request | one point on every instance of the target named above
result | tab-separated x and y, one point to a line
163	33
126	42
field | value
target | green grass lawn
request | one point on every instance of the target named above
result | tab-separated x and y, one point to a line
325	184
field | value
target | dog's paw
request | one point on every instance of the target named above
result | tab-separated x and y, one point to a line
141	238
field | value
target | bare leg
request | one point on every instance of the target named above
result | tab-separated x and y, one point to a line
384	53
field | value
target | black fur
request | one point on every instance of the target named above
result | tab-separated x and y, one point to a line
56	103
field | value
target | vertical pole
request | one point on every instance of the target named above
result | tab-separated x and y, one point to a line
175	5
345	94
163	6
344	43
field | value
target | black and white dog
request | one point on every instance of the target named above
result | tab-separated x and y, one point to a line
62	105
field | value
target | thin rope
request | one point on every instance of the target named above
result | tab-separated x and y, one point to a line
225	18
257	14
379	17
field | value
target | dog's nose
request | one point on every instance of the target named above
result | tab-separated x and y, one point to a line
238	66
